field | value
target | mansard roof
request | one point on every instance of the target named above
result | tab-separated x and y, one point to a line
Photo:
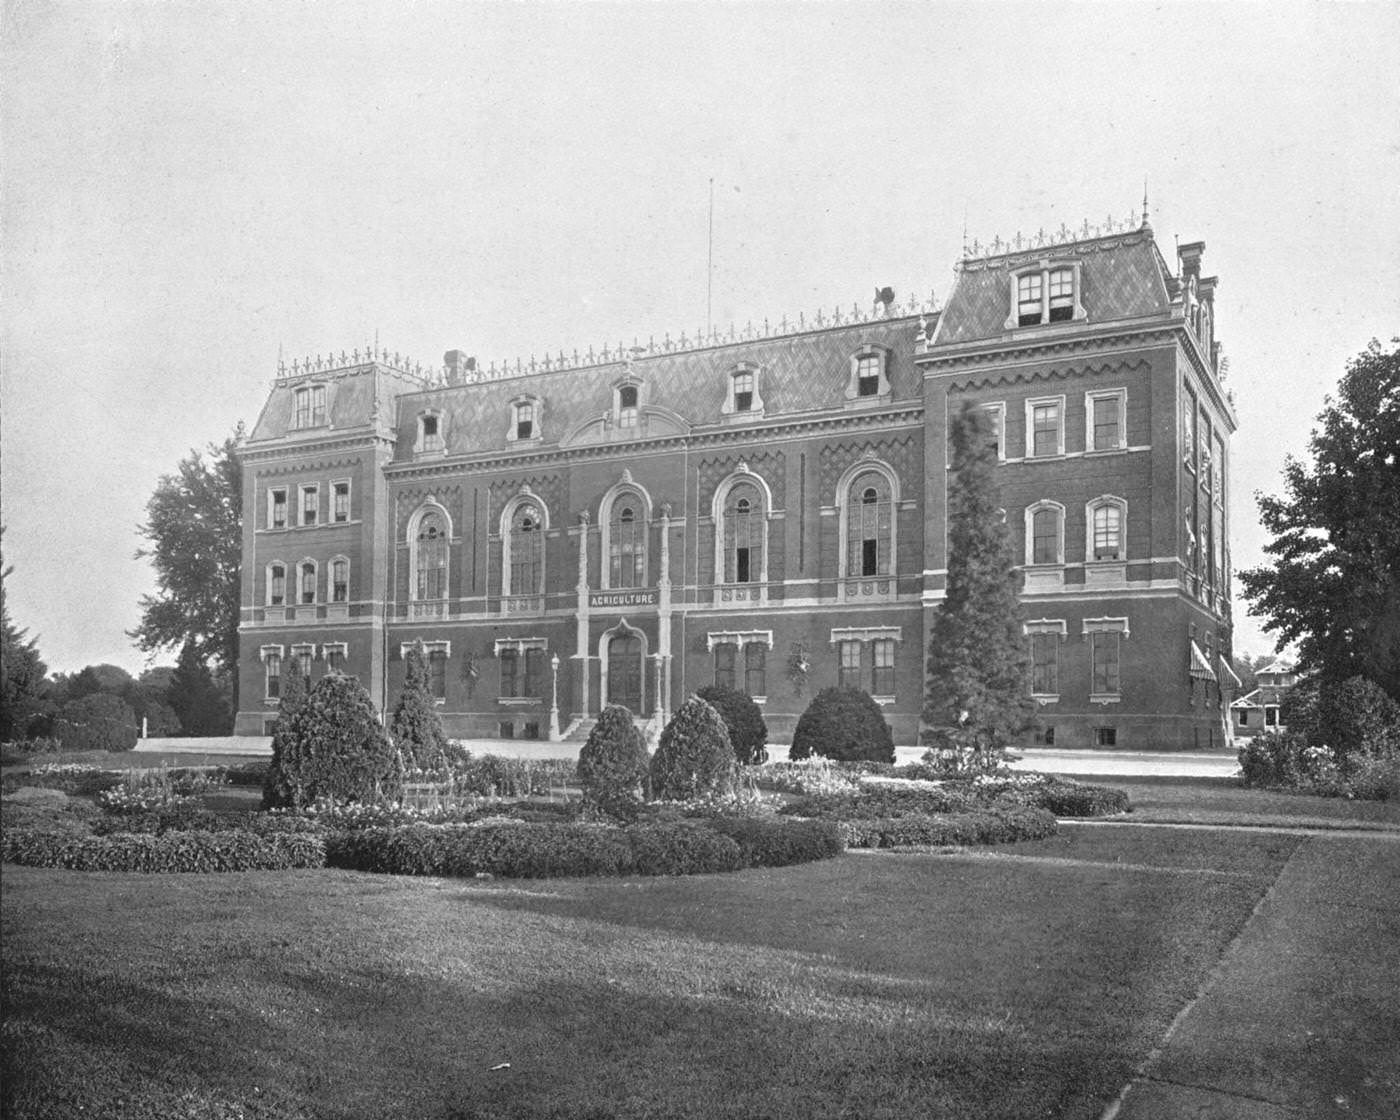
353	389
1122	276
807	371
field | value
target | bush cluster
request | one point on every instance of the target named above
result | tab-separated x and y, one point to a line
844	724
871	802
99	722
748	731
38	745
234	850
519	850
694	757
491	775
613	764
246	775
992	825
1285	759
1060	796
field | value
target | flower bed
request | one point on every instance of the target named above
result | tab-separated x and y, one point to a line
980	826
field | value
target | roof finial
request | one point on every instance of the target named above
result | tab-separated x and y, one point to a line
1145	223
964	253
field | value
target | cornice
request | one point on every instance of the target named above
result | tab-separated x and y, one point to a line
365	438
997	351
891	418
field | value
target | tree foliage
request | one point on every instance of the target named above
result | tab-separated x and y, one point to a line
194	523
416	726
279	790
844	724
613	763
96	722
978	696
21	669
1333	586
748	731
198	702
694	757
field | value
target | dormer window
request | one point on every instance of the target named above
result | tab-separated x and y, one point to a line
627	406
524	421
869	376
743	396
430	433
1045	293
310	406
743	392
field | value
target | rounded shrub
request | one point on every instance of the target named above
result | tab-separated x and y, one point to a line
748	731
694	757
416	726
334	747
97	722
613	763
277	790
844	724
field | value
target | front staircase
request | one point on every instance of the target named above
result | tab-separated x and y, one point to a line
649	726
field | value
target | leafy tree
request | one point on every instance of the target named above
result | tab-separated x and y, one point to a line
978	696
748	731
613	763
198	702
194	524
694	756
22	688
416	726
1334	584
843	724
97	722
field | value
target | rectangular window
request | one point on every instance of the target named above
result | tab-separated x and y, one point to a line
1270	717
535	672
272	667
511	682
726	654
302	657
524	421
1045	428
868	376
1029	293
277	586
1062	295
1242	717
335	659
997	413
437	673
1108	532
1045	542
1188	427
882	670
848	671
1045	664
277	509
340	501
310	504
340	581
756	669
741	565
1108	422
506	729
432	434
1105	736
1044	736
1104	654
308	582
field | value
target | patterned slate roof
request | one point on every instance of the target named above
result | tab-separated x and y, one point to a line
800	372
1123	276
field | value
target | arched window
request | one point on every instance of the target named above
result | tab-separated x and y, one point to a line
744	533
1045	533
743	391
627	406
526	571
1107	527
627	547
430	560
869	526
306	582
340	580
276	584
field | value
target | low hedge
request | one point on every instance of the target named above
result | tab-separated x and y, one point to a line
1060	796
173	818
174	851
983	826
871	801
522	850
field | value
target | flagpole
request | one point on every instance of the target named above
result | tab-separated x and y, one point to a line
710	263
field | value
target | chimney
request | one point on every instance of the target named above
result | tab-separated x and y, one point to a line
1189	256
460	368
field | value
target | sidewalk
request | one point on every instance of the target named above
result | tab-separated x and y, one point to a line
1300	1019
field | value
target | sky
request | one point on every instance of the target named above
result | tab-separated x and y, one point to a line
192	188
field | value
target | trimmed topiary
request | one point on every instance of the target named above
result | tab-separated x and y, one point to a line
613	763
98	722
336	748
748	731
843	724
277	790
416	727
694	757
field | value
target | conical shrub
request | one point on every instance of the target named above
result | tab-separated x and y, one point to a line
277	790
337	748
416	727
694	757
612	766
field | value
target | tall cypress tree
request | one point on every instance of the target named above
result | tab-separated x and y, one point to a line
978	696
416	727
278	791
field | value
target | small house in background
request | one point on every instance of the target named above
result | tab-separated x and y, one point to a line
1258	711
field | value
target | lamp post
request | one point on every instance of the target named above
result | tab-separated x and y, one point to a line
554	701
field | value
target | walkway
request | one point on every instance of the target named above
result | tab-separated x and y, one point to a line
1300	1018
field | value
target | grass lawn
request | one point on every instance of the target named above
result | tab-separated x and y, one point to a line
125	760
1026	981
1174	800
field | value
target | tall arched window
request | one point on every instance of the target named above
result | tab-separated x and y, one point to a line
340	580
627	543
743	534
869	526
1108	532
430	566
526	572
1045	533
307	582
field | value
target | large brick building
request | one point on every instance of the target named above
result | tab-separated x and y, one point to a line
765	508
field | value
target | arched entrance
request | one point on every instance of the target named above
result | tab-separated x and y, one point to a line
624	667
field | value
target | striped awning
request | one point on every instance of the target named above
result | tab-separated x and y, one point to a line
1200	667
1229	674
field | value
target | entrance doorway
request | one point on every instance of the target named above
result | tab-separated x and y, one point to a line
625	671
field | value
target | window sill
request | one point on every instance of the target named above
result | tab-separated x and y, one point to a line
1097	451
1046	697
883	701
1105	698
520	701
